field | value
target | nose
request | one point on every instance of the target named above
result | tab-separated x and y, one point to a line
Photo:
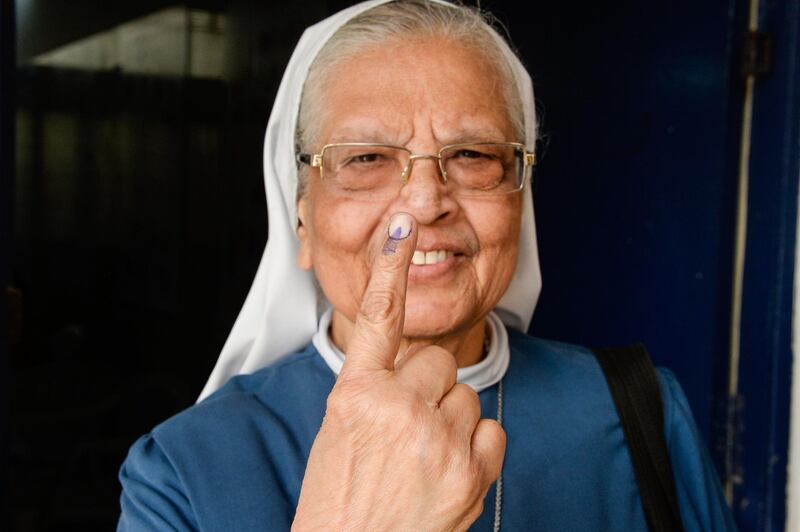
410	165
424	192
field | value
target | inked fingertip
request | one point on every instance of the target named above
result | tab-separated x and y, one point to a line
400	226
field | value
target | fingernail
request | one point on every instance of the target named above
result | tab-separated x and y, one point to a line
400	226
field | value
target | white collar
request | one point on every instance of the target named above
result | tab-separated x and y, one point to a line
479	376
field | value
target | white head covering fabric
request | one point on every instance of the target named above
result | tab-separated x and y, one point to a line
281	312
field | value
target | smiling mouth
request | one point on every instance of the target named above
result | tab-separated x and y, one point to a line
426	258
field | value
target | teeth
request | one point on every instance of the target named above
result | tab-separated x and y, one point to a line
422	258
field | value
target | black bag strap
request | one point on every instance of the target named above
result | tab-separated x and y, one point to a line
634	387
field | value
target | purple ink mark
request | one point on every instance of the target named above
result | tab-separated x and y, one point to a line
390	247
399	228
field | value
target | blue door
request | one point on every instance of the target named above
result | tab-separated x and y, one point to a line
642	108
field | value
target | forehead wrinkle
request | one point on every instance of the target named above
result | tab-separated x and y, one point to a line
448	128
355	114
468	129
402	110
368	129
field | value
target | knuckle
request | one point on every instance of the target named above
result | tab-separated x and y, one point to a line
476	511
348	403
498	434
464	406
470	395
493	437
392	261
384	407
441	359
379	306
466	495
338	408
472	402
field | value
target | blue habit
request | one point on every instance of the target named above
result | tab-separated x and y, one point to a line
235	462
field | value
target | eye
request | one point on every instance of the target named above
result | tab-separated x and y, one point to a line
469	154
364	158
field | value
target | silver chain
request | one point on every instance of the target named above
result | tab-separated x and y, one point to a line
498	493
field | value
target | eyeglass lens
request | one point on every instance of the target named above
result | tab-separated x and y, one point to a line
477	169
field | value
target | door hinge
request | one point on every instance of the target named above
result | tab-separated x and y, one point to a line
757	54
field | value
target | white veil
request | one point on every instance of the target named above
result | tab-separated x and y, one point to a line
281	311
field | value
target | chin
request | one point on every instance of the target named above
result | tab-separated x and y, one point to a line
432	320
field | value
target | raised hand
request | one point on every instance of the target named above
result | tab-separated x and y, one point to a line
402	446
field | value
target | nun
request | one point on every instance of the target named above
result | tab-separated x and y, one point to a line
379	376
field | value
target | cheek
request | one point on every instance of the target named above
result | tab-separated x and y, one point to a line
497	227
342	233
338	227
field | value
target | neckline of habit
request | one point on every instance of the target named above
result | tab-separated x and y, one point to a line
485	374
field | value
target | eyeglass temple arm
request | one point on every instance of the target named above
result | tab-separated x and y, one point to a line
530	158
314	160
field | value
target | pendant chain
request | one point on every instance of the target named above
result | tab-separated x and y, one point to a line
498	494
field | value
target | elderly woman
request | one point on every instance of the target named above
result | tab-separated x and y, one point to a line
400	274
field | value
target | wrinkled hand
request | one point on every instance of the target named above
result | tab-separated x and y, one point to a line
402	446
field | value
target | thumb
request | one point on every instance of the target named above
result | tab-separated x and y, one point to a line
489	448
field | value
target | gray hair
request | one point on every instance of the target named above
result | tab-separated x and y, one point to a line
401	20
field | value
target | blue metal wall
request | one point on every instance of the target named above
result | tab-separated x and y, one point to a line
635	193
636	203
764	387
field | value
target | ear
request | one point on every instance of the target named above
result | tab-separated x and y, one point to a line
303	234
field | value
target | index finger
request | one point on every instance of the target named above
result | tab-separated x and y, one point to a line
379	324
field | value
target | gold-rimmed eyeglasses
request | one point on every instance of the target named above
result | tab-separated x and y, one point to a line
473	169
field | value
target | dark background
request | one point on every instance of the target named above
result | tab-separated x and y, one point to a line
139	218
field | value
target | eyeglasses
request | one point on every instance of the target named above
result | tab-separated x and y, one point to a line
475	169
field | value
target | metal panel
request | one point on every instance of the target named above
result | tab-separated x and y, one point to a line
635	194
636	203
766	357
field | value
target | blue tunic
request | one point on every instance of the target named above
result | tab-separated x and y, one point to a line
235	462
